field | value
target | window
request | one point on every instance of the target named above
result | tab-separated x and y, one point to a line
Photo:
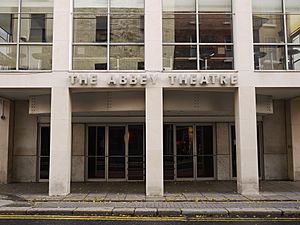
197	35
31	47
108	35
276	34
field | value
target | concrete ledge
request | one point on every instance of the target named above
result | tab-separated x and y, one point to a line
14	210
123	211
290	212
145	212
168	212
50	211
254	212
95	211
205	212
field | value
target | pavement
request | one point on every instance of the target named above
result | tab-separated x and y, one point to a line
181	200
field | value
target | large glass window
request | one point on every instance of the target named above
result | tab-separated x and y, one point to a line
108	35
197	35
31	47
276	34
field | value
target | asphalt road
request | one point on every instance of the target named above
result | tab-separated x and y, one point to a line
140	222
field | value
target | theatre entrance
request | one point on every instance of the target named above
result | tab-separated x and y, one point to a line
115	152
189	152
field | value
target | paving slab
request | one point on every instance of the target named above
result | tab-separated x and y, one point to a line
155	198
50	211
95	197
123	211
133	197
145	212
254	212
115	197
169	211
75	197
94	211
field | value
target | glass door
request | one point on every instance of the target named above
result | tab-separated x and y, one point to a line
205	151
44	154
116	152
96	152
135	152
184	152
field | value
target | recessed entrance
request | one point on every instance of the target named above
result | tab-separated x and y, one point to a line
189	152
115	152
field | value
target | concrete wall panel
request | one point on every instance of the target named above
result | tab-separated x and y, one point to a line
24	169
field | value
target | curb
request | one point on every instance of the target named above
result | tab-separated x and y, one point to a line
156	212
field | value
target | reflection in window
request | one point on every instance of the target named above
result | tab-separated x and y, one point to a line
32	43
294	57
269	57
123	44
213	25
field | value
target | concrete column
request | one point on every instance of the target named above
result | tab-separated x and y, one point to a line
60	142
243	36
295	133
154	141
246	141
5	141
153	35
62	33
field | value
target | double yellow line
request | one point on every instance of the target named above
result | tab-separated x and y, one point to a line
128	218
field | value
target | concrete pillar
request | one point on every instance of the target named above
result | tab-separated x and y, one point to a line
60	142
295	134
6	129
246	141
154	141
153	35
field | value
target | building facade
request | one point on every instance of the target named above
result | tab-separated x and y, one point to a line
149	91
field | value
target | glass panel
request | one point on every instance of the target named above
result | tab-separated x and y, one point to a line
9	6
8	27
205	151
89	57
293	28
37	6
168	152
45	141
100	141
233	151
205	166
180	57
126	58
215	5
216	57
268	28
96	167
127	6
44	167
44	152
127	29
294	57
34	57
179	28
90	28
292	6
184	144
269	57
135	168
92	133
116	168
267	6
36	28
90	5
136	140
185	167
179	6
8	57
215	28
116	141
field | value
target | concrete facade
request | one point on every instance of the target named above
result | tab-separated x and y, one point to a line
71	101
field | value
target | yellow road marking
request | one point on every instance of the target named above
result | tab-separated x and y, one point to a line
123	218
